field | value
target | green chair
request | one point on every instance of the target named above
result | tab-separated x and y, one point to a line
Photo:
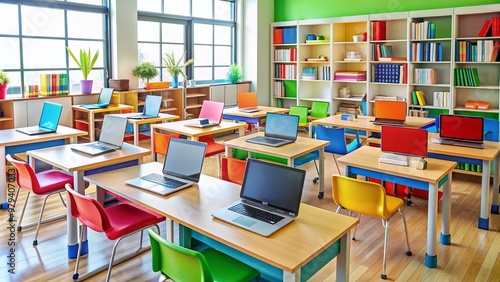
318	110
182	264
302	112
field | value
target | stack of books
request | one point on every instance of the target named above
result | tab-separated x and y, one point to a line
350	75
351	108
53	84
310	73
389	73
466	77
425	76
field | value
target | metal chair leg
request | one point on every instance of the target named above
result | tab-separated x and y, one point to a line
335	159
383	275
80	242
19	228
408	253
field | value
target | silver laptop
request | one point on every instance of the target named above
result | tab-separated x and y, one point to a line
49	119
181	168
270	198
280	129
151	108
249	110
103	100
201	123
111	138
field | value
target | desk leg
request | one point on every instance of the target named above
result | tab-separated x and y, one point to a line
321	186
494	201
72	222
229	152
310	130
91	127
291	277
430	256
172	231
484	220
3	180
136	134
152	144
445	238
241	132
343	259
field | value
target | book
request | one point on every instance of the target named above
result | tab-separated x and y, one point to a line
389	59
486	30
414	97
378	30
310	73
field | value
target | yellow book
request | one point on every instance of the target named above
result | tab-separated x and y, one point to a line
421	98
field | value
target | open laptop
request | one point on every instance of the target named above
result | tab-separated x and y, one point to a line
398	144
390	112
181	168
465	131
247	102
270	198
103	100
111	138
280	129
49	119
210	115
151	108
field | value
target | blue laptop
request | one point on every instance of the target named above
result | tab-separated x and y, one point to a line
49	119
103	100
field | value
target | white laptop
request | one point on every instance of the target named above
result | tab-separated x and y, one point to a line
270	198
49	119
281	129
111	138
181	168
151	108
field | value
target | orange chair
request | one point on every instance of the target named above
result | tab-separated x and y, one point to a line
233	170
44	183
117	222
160	145
213	148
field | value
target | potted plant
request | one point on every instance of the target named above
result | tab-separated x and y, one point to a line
86	63
176	67
234	74
147	71
4	81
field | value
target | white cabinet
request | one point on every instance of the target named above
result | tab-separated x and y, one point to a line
227	94
27	112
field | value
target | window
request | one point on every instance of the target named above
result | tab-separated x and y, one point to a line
34	36
205	29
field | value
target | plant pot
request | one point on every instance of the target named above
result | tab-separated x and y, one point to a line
3	90
86	86
357	38
175	81
156	85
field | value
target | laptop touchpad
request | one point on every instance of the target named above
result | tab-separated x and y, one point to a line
244	221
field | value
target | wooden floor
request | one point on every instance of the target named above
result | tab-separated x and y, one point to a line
472	256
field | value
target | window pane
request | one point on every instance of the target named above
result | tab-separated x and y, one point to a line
222	35
8	18
222	10
203	34
9	53
177	7
149	5
220	72
37	21
173	33
203	55
202	8
149	52
75	47
44	53
96	75
148	31
203	73
14	86
93	2
222	55
176	48
91	29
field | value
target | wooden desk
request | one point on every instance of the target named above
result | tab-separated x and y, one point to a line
136	122
364	161
251	118
12	142
300	147
88	117
294	253
79	165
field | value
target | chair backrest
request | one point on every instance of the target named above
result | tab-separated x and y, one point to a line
302	112
161	140
360	196
491	130
25	175
178	263
336	136
212	110
233	170
319	109
247	100
88	210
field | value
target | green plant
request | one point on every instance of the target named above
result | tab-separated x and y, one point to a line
86	62
175	67
145	71
4	79
234	74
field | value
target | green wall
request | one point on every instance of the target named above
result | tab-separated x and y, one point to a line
286	10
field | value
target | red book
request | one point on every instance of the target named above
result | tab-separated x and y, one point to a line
486	28
379	30
495	26
54	84
494	53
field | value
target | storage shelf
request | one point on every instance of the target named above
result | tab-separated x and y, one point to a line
462	108
164	110
195	95
195	106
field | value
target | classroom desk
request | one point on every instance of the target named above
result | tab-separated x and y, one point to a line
294	253
194	133
12	142
490	152
364	161
251	118
136	122
300	147
79	165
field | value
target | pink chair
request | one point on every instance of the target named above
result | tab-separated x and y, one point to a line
45	183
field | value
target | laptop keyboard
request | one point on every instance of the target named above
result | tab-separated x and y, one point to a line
100	146
163	180
382	121
269	140
462	143
256	213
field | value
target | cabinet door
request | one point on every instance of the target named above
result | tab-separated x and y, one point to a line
20	116
231	95
217	93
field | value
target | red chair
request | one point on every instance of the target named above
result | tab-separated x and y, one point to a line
117	222
45	183
233	170
213	148
160	145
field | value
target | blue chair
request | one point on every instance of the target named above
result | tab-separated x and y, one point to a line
433	128
338	145
491	130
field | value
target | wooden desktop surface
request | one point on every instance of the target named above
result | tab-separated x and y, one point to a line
489	152
263	110
290	248
159	118
11	137
110	108
180	127
366	122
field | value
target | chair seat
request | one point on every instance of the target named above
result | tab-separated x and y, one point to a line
219	263
136	219
214	148
52	180
309	157
393	204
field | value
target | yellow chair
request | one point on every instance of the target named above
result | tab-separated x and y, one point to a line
370	199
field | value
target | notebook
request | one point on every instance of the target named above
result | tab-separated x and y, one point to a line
465	131
103	100
111	137
151	108
181	168
247	102
280	129
210	115
49	119
390	112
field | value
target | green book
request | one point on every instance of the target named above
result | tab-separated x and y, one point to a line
414	97
475	77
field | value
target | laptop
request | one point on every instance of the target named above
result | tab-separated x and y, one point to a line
457	130
210	115
281	129
398	144
390	112
111	138
270	198
247	102
181	168
49	119
151	108
103	100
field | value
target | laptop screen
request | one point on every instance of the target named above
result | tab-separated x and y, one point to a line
152	105
184	158
113	130
273	185
282	126
458	127
212	111
404	140
390	109
247	100
105	96
49	118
